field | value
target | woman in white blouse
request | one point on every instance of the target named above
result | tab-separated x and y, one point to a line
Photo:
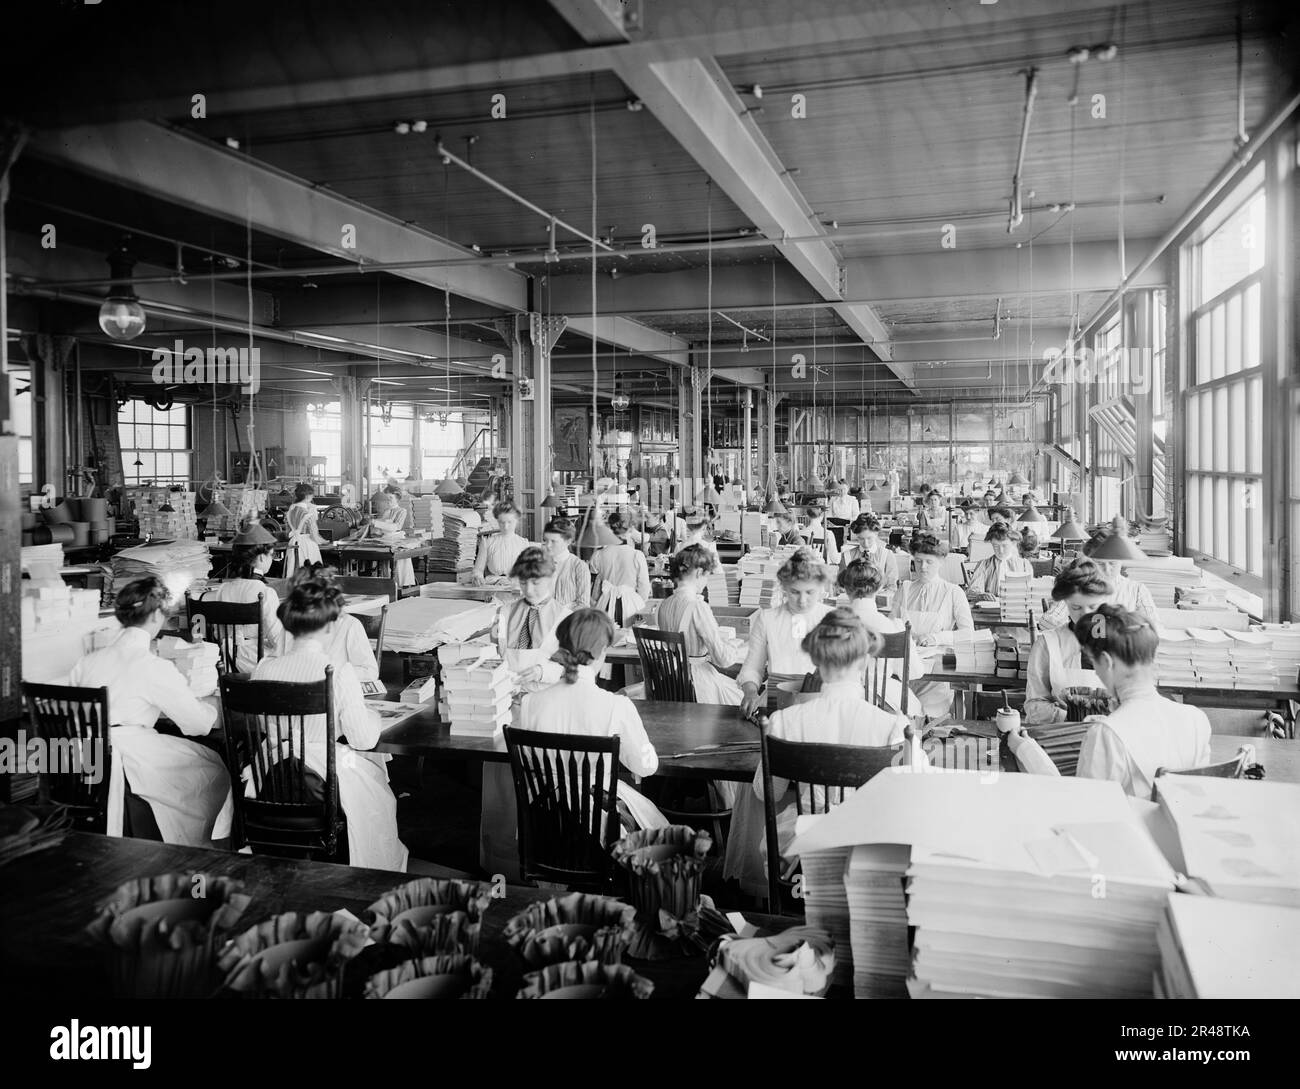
1147	731
572	576
185	784
840	647
498	551
346	639
309	613
302	518
1128	593
865	544
820	538
251	557
984	579
776	634
687	612
861	581
936	609
1056	659
575	705
621	586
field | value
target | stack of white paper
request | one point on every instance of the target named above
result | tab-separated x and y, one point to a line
197	662
43	562
1251	654
759	590
976	651
826	904
55	606
724	585
177	563
1174	657
418	624
1019	595
161	512
1164	576
1155	540
241	503
873	883
426	513
477	689
1210	650
456	549
1212	948
1240	837
1286	649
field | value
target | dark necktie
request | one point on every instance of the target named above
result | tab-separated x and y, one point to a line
530	631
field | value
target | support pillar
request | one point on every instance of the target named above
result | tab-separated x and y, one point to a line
353	406
530	414
1137	337
746	443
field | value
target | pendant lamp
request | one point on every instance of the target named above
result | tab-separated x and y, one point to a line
775	506
447	487
1117	546
1031	514
595	533
551	502
1018	479
1069	530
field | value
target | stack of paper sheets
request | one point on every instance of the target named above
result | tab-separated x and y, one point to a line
826	904
724	585
44	562
759	590
1062	742
241	501
177	563
1045	887
976	651
873	883
1155	540
418	624
1174	657
1251	654
1210	650
455	550
178	523
477	689
1011	653
426	514
1286	649
1163	577
197	662
54	606
1212	948
1241	838
1022	594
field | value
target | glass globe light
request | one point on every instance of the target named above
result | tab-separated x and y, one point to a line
121	318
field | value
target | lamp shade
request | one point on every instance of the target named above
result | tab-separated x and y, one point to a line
550	502
710	496
1017	479
1117	546
447	487
1031	515
595	533
775	506
1069	530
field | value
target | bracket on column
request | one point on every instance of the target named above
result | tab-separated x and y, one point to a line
545	331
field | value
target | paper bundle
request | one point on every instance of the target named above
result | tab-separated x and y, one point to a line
476	696
51	607
1212	948
197	662
1286	649
426	512
42	563
418	624
177	563
873	884
241	503
724	585
1011	652
1164	577
761	591
1251	655
975	650
1174	658
1155	540
1021	594
454	551
826	904
1239	837
147	505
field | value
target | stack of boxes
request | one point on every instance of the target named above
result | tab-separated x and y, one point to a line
477	689
53	606
197	662
242	503
162	513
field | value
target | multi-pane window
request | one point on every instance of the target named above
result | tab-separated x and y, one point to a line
1223	396
20	410
155	443
326	424
392	443
441	440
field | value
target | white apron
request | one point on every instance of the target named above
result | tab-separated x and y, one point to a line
367	801
302	548
185	784
1061	677
935	696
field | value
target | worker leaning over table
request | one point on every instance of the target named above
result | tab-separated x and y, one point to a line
251	556
185	784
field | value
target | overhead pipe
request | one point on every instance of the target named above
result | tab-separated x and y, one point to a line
1031	91
1241	158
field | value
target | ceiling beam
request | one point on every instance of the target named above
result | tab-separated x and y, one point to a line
632	335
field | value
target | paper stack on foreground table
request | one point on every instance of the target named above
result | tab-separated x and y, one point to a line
476	690
1286	649
1162	576
418	624
1212	948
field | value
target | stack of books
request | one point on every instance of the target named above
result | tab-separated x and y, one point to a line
759	590
1286	649
1075	918
1174	657
826	904
1022	594
454	552
1212	948
724	585
1011	652
178	563
197	662
477	689
976	651
1209	652
163	513
1238	838
241	501
873	883
426	515
1251	655
1165	577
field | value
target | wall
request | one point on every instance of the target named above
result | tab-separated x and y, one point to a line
279	421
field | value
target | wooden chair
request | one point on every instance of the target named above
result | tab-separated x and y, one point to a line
223	624
293	813
665	664
566	797
357	586
832	768
375	624
1043	568
898	646
68	718
985	705
1227	769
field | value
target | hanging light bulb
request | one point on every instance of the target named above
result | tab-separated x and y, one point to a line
442	421
121	316
619	402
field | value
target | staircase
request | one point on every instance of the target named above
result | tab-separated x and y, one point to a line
481	478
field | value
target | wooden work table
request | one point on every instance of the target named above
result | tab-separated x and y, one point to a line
47	898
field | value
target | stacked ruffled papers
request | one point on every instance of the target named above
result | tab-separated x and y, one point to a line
1251	655
1045	887
826	904
177	563
477	689
1174	658
426	512
418	624
454	551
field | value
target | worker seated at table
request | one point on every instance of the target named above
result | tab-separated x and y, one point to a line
1029	546
621	586
819	538
390	517
310	614
575	705
251	556
999	512
686	611
984	579
1147	731
787	530
861	582
658	536
776	634
302	520
346	640
864	543
498	551
184	783
937	610
840	647
695	529
526	627
572	576
843	507
1056	660
1128	593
